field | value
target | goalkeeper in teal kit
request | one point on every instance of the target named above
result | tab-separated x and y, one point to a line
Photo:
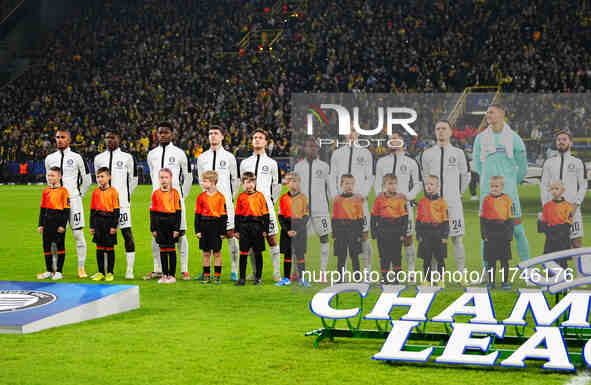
498	150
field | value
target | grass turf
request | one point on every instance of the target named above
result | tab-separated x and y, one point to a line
189	333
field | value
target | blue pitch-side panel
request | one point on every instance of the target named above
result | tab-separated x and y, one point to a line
69	295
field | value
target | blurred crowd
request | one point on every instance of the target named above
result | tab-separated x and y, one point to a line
130	64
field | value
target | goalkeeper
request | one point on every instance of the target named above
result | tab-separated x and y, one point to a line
498	150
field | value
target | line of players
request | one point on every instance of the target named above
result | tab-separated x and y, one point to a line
318	181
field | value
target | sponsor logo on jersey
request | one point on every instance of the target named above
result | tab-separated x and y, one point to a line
13	300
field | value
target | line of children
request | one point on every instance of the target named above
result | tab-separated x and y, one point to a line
104	217
211	218
293	217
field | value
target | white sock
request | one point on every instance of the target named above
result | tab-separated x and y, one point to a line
366	247
411	257
275	259
156	255
233	248
80	247
184	253
459	253
130	261
324	248
252	263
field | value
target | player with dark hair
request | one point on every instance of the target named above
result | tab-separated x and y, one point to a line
314	177
53	217
266	172
76	179
167	155
124	179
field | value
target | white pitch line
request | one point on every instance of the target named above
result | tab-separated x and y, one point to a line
583	378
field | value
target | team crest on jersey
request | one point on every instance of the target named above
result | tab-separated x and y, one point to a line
119	164
452	160
171	160
222	164
360	160
70	162
318	173
403	168
265	169
571	167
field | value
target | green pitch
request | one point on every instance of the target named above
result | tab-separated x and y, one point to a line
189	333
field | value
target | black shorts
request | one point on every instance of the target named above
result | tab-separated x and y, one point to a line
431	246
497	249
210	236
347	241
296	246
101	236
166	226
251	237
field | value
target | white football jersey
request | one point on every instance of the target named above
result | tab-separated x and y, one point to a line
123	172
314	184
570	171
355	161
406	170
267	173
172	157
75	172
224	163
450	165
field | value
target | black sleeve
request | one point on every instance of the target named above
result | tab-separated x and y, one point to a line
542	227
153	221
374	226
483	229
92	218
66	217
237	222
284	222
266	221
404	225
197	223
177	220
223	221
42	214
509	229
445	230
115	218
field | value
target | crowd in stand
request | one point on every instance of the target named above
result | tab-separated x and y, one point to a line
130	64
